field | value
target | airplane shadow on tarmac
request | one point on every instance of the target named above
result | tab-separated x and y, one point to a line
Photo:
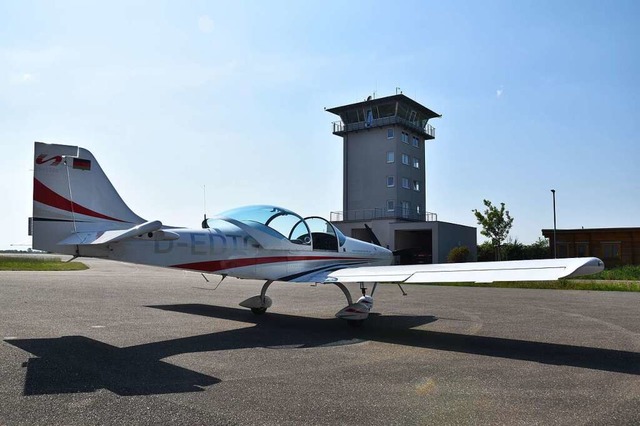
73	364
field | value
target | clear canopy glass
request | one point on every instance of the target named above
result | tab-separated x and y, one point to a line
283	223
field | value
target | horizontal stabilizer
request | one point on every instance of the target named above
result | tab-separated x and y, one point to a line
112	236
517	270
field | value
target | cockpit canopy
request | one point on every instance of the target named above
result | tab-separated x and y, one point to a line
313	231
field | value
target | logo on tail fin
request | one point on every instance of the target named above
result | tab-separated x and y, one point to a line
55	160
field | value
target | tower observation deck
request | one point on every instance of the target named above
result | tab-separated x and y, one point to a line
388	111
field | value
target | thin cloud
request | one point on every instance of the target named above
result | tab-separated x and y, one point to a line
205	24
23	78
499	92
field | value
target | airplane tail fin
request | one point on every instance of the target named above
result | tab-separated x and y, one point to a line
72	196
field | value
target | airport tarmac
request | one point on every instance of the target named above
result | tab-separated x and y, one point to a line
127	344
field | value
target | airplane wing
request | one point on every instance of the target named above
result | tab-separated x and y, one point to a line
516	270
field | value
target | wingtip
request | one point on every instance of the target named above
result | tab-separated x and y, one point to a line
589	266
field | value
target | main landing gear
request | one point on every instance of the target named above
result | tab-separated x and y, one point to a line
356	313
259	304
353	313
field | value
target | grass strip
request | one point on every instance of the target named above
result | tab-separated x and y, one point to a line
620	273
36	263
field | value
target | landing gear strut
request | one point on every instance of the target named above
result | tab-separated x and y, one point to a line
259	304
353	313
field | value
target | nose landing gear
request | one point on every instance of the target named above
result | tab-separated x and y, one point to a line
259	304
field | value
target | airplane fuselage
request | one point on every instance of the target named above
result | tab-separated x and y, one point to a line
238	254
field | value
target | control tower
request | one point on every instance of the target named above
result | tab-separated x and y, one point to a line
384	179
384	157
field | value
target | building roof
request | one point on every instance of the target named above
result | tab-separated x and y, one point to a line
378	101
547	232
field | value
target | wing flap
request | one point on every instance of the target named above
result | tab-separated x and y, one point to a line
520	270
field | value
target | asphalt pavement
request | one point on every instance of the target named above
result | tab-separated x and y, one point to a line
128	344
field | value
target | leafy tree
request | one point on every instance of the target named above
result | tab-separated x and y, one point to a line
458	254
496	224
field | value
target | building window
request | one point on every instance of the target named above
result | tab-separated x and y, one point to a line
418	210
391	157
405	137
391	205
405	208
389	133
582	249
562	249
416	163
416	185
405	159
415	142
405	183
611	250
391	182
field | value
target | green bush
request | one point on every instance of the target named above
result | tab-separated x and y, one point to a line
458	254
515	250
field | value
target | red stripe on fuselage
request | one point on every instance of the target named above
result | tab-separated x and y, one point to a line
45	195
221	265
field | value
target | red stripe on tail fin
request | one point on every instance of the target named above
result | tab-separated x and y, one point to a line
44	195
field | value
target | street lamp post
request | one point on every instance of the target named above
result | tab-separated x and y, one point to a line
555	244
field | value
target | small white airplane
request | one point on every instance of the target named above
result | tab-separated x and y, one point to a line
77	211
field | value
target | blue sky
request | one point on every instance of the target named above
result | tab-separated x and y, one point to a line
171	96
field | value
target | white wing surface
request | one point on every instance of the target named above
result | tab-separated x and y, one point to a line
516	270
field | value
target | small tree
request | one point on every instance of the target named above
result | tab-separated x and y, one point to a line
496	224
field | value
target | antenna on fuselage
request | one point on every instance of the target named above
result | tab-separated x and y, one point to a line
205	225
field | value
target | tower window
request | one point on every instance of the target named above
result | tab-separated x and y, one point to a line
391	205
415	142
389	133
405	137
391	182
405	159
416	185
391	157
405	208
405	183
416	163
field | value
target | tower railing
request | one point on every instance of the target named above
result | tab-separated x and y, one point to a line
339	127
378	213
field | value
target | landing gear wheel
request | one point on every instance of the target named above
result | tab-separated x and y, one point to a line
258	311
355	323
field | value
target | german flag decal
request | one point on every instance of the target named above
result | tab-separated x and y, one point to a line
81	164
